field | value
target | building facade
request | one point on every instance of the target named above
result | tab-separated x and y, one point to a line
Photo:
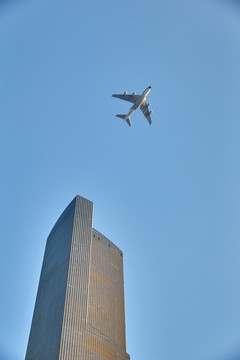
79	311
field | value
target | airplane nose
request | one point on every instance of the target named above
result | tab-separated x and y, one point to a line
149	87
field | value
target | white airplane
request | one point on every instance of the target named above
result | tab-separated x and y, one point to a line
139	101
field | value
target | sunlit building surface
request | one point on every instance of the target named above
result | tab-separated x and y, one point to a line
79	310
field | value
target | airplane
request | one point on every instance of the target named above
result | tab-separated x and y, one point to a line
139	101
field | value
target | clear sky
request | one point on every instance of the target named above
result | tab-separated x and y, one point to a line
168	194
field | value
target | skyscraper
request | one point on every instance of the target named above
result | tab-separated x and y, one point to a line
79	309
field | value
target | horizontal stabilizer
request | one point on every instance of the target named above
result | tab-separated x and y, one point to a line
125	117
121	116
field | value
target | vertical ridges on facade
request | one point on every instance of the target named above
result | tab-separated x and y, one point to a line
75	311
46	328
79	310
106	319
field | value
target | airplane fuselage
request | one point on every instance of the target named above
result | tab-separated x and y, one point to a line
139	102
146	91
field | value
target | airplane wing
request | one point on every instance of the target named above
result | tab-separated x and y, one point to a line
146	112
130	98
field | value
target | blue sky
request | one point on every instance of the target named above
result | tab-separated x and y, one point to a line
168	194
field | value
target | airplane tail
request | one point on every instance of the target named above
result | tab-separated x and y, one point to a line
125	117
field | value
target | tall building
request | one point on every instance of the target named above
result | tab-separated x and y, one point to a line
79	310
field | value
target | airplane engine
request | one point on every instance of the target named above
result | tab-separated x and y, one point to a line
150	112
125	93
134	93
148	104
